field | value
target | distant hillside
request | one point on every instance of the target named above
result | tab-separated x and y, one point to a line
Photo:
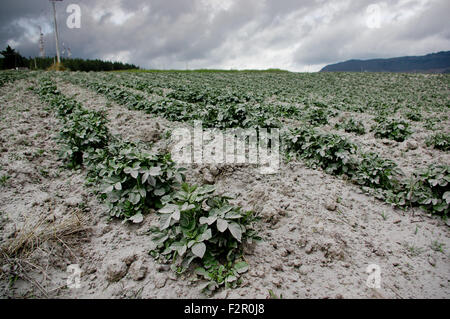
430	63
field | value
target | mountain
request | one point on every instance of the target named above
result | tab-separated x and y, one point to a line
430	63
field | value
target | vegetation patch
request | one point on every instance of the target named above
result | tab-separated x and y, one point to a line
195	224
132	179
352	126
440	141
397	130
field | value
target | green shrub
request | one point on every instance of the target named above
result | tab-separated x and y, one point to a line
48	91
236	115
373	171
440	141
317	116
429	189
328	151
133	180
396	130
197	225
83	131
415	116
431	123
352	126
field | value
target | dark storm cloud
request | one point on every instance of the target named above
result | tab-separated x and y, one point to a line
290	34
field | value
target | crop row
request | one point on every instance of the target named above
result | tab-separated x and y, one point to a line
12	76
220	112
267	93
335	154
427	188
346	92
223	116
195	224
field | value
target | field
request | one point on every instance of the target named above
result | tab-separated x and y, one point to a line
92	204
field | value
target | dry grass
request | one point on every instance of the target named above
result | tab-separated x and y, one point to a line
17	252
33	234
57	67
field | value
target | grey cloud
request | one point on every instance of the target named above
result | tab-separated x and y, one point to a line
290	34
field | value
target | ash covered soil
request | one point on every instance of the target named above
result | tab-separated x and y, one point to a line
320	233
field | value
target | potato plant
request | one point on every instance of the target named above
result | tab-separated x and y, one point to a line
397	130
371	170
132	179
317	116
440	141
12	76
196	225
429	189
414	115
352	126
331	152
83	131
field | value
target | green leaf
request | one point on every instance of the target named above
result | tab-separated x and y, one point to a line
202	272
169	209
179	247
187	206
159	238
159	192
108	189
176	215
222	225
446	197
199	249
241	267
134	198
155	171
230	278
137	219
207	235
206	189
207	220
191	243
225	209
134	174
233	215
235	230
164	221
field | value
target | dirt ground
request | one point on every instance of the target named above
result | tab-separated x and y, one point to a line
320	233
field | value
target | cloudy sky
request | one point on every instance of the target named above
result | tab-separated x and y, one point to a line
297	35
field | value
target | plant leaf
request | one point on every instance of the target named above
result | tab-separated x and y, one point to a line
241	267
137	219
164	221
446	197
235	230
222	225
199	249
155	171
168	209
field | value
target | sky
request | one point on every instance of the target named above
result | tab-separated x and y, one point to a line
295	35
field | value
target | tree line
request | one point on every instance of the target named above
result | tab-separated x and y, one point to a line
12	59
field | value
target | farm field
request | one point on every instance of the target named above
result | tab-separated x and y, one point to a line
86	179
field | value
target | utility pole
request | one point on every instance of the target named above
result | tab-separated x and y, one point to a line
56	30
